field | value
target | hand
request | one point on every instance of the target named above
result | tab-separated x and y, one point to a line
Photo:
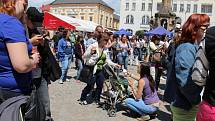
128	49
36	40
128	74
117	66
36	59
93	50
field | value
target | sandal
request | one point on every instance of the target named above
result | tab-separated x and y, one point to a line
144	118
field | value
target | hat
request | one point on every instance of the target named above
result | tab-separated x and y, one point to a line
34	15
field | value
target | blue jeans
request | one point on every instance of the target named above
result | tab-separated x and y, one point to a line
123	60
80	66
65	66
140	107
43	96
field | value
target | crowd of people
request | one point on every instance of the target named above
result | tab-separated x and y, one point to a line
30	59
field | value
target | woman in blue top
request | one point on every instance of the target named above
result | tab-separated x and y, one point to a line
187	96
124	48
64	53
16	61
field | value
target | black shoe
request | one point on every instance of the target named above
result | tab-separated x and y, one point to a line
83	102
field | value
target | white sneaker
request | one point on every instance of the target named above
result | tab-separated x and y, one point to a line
67	80
60	81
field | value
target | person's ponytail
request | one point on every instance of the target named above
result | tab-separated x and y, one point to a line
151	83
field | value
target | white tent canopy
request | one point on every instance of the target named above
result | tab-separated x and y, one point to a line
81	25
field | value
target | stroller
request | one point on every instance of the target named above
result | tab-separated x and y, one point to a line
115	92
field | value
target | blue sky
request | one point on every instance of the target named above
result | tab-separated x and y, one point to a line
113	3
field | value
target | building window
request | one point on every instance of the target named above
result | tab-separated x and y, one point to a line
181	7
150	7
106	22
133	6
174	7
91	18
126	6
82	17
195	8
159	6
129	19
101	19
110	25
206	8
143	7
188	8
145	20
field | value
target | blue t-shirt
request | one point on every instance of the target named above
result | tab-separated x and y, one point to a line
64	48
12	31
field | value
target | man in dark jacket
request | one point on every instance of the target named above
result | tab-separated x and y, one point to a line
40	79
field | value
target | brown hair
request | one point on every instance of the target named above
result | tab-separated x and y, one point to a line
103	37
145	72
191	27
7	7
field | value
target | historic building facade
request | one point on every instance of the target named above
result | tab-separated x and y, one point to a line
90	10
136	14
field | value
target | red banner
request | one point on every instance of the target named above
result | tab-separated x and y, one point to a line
51	22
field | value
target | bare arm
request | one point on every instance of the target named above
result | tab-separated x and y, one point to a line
19	57
134	76
137	94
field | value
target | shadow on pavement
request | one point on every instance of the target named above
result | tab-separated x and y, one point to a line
163	116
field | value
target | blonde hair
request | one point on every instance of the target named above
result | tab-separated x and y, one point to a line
7	7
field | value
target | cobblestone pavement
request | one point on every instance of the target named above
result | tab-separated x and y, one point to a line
65	107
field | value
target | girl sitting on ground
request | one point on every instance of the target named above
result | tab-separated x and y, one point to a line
145	101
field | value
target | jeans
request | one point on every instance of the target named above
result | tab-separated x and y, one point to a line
65	66
98	78
43	96
72	53
123	60
140	107
80	66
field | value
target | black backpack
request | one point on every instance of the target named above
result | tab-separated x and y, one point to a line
10	109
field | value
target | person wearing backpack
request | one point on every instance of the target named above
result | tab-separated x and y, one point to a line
205	57
187	98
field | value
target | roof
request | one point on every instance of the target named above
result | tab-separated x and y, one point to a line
80	2
115	16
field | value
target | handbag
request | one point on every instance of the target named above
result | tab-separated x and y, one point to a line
200	67
87	71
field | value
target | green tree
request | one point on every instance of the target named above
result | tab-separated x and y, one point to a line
140	33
